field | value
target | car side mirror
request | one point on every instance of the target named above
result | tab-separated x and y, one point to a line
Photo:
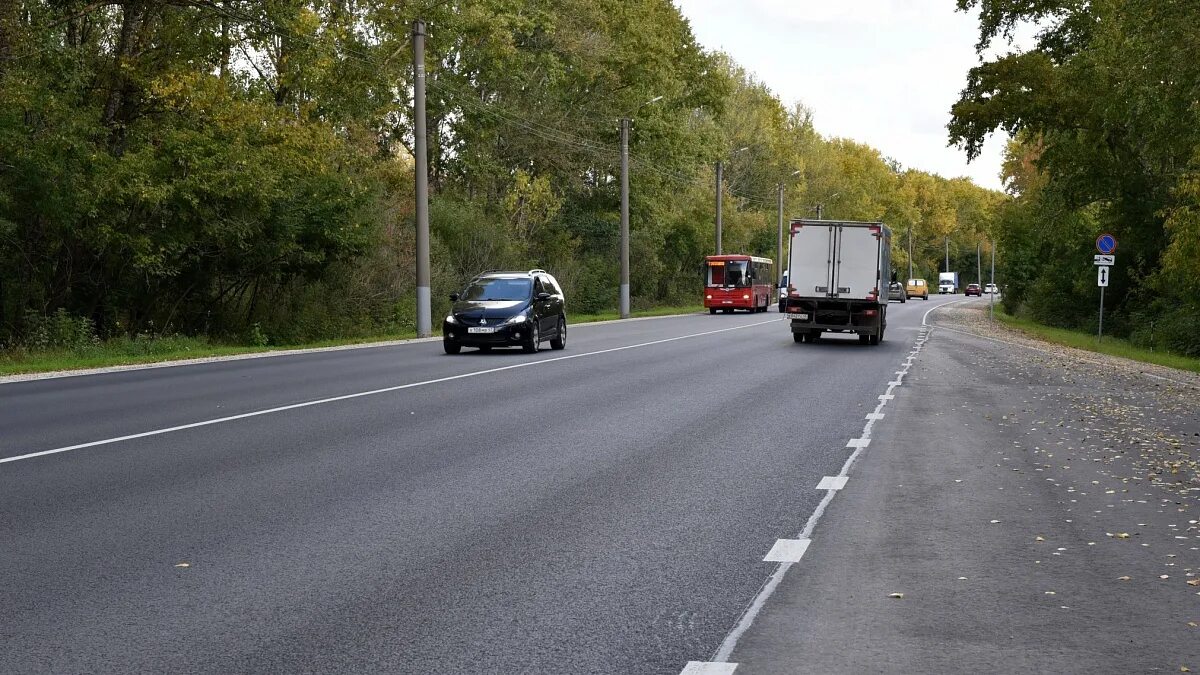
454	297
543	296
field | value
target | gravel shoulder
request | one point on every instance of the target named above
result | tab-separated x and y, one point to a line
1036	506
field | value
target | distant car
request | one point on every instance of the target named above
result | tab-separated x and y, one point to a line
991	289
974	289
896	292
917	288
507	309
783	291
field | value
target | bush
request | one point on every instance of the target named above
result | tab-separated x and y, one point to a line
60	330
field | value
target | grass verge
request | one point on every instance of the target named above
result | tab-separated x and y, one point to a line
640	313
137	351
134	351
1089	342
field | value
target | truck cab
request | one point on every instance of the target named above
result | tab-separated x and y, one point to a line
948	282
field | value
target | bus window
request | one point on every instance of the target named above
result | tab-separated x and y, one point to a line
736	273
716	274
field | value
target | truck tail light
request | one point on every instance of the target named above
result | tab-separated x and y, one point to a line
870	312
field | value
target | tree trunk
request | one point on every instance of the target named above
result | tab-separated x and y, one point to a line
10	17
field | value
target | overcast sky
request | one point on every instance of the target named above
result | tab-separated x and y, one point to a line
882	72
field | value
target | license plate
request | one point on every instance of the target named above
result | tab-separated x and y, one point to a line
481	329
799	317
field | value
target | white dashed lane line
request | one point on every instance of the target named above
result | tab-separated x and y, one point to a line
788	552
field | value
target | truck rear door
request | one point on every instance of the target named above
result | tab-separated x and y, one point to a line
856	268
810	264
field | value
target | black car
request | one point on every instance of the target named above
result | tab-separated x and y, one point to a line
507	309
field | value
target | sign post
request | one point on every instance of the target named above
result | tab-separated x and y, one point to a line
1106	244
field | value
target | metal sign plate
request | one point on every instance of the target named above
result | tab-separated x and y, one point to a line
1105	259
1106	243
1102	276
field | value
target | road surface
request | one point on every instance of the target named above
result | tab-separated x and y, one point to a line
600	509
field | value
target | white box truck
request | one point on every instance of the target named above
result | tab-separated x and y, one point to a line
948	282
838	277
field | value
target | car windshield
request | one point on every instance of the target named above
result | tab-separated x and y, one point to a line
729	273
498	289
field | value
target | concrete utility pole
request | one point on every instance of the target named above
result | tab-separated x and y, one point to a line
424	310
947	254
910	268
720	185
820	208
720	194
779	238
626	125
992	304
624	301
978	269
780	260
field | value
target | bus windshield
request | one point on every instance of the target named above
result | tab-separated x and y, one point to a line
732	273
498	289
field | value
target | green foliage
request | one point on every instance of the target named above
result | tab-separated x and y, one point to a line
243	170
1107	140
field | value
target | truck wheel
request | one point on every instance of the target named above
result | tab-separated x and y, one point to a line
798	337
712	310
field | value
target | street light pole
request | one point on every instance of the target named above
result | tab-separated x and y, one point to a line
421	159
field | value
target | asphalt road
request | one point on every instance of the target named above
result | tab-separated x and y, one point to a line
603	509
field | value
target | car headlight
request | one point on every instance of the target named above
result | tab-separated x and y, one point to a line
517	318
450	319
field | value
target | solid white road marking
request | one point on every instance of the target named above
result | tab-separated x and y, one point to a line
858	443
373	392
832	482
708	668
886	397
875	416
787	550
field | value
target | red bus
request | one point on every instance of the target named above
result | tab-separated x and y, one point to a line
737	282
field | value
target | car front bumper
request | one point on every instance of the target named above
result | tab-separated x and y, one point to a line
504	335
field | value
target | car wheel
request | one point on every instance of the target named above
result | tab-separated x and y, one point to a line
712	310
451	347
560	340
535	340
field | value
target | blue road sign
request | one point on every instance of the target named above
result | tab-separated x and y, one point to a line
1106	243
